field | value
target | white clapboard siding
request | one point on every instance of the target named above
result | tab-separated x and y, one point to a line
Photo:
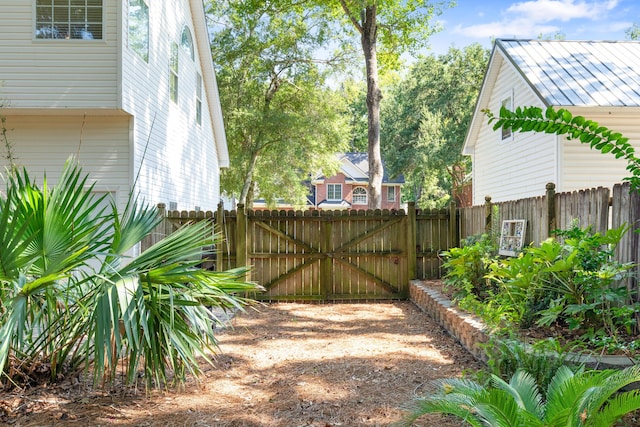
177	158
583	167
517	167
56	73
100	143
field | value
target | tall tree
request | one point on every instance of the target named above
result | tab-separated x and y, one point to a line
427	121
387	29
633	32
282	121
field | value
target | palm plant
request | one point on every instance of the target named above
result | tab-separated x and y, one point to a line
580	398
72	295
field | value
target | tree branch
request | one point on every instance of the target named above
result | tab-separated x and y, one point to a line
351	16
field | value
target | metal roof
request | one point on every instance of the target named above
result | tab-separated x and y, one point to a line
579	73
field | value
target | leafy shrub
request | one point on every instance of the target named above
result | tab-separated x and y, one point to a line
541	360
571	281
466	267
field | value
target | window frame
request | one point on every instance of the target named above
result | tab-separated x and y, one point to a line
199	98
506	101
391	189
330	192
187	43
357	199
144	55
54	21
174	69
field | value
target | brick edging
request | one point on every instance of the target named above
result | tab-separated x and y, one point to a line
468	329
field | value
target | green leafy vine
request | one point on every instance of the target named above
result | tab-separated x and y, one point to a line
562	122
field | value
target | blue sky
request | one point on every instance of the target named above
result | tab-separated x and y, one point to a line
482	20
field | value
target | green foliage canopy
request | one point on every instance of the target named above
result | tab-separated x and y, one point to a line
426	120
282	121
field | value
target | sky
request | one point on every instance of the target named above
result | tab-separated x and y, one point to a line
481	21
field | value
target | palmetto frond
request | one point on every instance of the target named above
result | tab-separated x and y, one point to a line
73	293
574	399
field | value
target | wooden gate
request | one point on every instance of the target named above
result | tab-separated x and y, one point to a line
328	255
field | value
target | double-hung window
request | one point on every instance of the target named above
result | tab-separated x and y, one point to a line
391	194
69	19
139	28
334	192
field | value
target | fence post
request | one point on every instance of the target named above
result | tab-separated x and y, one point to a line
488	212
326	265
551	208
241	238
453	224
219	224
411	241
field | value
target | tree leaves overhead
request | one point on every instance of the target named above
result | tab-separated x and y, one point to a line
426	120
282	121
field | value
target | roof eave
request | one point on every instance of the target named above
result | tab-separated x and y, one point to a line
209	81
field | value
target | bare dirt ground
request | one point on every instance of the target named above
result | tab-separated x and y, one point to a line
285	365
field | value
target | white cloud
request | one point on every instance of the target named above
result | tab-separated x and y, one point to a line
561	10
514	28
528	19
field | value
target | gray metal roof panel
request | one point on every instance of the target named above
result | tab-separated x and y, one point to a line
579	73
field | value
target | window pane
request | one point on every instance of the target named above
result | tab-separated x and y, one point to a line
61	13
187	41
139	28
173	72
334	192
69	19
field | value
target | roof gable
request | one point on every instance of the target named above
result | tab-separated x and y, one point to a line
355	167
565	74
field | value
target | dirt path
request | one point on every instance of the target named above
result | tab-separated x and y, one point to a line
287	365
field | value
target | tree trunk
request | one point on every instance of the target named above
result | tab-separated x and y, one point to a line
368	39
248	178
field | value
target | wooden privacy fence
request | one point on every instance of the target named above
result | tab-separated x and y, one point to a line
327	255
599	208
368	255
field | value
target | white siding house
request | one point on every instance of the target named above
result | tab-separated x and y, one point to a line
597	80
126	86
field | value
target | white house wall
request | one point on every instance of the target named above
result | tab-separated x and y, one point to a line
175	157
582	167
36	73
100	143
518	167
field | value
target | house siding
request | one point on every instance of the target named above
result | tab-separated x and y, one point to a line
583	167
517	167
56	73
176	157
100	143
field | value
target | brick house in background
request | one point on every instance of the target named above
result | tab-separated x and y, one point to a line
349	188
